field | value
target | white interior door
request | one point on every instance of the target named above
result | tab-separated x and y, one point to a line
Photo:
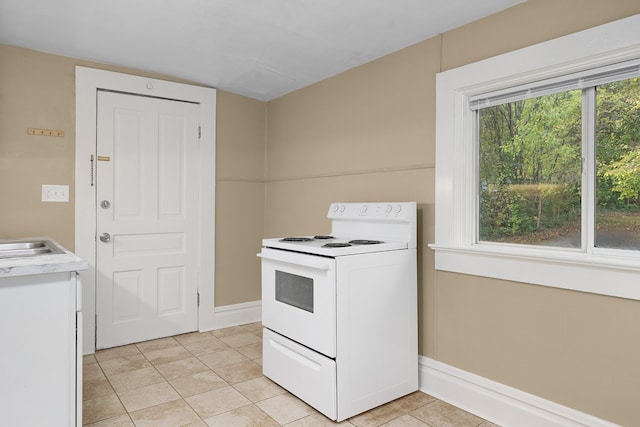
147	218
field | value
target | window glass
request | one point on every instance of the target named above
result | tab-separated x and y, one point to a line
530	163
618	165
294	290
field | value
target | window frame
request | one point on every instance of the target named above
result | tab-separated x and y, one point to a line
607	272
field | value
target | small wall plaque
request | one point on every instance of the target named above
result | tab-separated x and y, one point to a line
45	132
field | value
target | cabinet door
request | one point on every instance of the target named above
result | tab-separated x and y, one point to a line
38	335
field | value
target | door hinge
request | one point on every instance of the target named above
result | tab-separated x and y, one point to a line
198	298
199	132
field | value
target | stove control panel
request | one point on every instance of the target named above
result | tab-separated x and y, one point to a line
391	210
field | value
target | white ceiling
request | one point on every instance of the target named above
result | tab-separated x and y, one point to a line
258	48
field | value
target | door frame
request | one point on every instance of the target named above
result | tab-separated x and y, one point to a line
88	82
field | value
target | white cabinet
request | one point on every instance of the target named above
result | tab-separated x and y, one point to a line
40	357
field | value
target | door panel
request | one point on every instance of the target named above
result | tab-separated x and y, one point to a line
127	296
170	290
171	164
147	170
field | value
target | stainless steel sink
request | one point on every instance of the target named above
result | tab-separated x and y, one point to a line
27	248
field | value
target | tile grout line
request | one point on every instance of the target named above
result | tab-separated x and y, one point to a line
172	386
183	346
169	382
115	392
180	344
233	385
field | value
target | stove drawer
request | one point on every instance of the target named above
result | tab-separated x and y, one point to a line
305	373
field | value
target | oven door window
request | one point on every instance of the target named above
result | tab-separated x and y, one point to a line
294	290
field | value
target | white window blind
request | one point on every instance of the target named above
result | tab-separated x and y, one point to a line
580	80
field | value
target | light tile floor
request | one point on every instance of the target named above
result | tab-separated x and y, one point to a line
215	379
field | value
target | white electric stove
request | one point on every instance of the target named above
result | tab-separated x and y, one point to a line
340	310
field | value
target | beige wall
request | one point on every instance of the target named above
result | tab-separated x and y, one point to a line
239	197
364	135
37	90
368	134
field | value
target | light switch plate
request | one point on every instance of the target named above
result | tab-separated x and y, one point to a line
55	193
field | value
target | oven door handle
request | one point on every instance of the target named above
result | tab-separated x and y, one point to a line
287	260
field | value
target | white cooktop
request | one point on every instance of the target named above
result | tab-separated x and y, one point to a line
316	246
392	223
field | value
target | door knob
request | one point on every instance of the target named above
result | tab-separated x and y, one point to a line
106	237
105	204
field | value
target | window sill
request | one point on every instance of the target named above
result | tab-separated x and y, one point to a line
594	273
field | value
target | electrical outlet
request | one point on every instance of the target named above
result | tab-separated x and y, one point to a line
55	193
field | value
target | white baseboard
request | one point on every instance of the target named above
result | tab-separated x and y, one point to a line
496	402
233	315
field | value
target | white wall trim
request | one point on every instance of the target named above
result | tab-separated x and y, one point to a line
88	82
234	315
497	402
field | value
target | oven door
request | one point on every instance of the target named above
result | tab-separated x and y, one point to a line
299	298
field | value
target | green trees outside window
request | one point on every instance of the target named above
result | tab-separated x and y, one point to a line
530	153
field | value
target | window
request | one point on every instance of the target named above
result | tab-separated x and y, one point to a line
531	181
617	174
538	164
530	169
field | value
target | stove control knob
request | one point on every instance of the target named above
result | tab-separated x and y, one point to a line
335	208
342	208
389	208
363	209
398	208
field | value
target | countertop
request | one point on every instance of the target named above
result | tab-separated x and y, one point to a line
42	264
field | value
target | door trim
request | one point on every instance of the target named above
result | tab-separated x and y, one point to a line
88	82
